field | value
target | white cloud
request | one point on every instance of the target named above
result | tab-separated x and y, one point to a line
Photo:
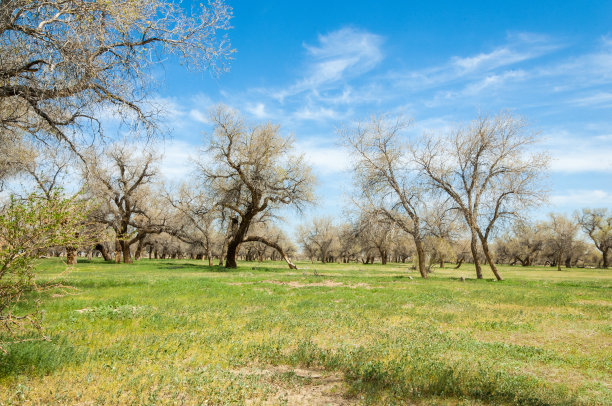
600	99
176	162
592	198
576	153
258	110
198	116
319	113
582	160
326	159
339	55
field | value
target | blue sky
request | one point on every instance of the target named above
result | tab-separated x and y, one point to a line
316	66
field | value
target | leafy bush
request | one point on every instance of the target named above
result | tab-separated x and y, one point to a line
28	227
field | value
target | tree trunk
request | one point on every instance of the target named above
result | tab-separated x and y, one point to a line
460	262
605	259
485	248
559	262
474	247
127	255
232	250
117	251
275	246
568	262
71	255
420	256
210	260
103	251
138	253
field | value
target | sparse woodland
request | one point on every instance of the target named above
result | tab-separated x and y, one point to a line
72	189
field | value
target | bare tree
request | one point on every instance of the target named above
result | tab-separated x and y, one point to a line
597	224
561	237
385	178
120	180
488	172
63	63
253	174
522	244
376	233
319	239
195	218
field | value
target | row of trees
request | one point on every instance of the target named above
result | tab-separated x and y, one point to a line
583	240
409	202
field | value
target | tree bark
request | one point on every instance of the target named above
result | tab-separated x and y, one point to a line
485	248
117	251
138	253
127	255
275	246
459	262
420	256
103	251
605	259
474	248
71	255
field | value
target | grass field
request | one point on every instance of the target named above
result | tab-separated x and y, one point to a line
180	332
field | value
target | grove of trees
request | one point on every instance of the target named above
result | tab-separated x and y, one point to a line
75	190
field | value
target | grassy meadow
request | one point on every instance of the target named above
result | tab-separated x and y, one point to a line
181	332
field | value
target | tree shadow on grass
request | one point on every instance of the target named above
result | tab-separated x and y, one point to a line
36	357
189	266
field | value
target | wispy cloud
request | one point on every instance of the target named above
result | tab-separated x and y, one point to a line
591	198
574	152
325	158
338	55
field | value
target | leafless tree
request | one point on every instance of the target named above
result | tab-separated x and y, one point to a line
120	181
385	177
194	219
561	237
488	172
67	63
253	173
523	244
597	224
319	239
376	233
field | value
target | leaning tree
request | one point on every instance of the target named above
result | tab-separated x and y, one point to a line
253	173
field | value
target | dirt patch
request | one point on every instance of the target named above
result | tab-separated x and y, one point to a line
295	284
299	386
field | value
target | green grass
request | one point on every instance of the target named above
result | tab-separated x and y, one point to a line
180	332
